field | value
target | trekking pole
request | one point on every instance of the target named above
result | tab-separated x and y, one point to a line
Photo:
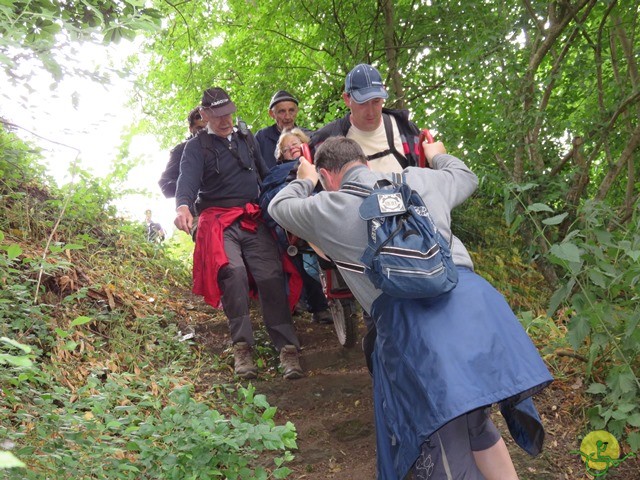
425	134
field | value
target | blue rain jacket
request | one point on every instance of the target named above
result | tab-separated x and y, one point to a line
436	359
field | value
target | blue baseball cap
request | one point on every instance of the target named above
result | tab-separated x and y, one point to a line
364	83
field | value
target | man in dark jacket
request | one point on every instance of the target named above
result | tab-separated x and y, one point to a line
387	137
283	108
220	173
169	177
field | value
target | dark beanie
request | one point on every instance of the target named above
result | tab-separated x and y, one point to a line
282	96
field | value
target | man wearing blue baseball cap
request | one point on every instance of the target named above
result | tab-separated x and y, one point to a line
387	136
390	141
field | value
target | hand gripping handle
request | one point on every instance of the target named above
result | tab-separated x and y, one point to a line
425	134
292	249
306	152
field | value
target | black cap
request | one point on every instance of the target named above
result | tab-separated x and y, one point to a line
282	96
218	102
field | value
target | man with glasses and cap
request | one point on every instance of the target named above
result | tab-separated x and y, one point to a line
283	108
220	172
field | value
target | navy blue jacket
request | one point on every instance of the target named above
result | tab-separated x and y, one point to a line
217	172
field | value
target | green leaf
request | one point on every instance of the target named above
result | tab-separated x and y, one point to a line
269	413
13	251
560	295
634	420
16	361
13	343
132	446
620	414
597	389
624	382
634	441
261	401
634	254
566	251
597	278
8	460
632	324
555	220
81	321
282	472
70	345
579	328
539	207
62	333
525	186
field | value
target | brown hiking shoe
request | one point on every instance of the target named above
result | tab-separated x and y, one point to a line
243	361
290	362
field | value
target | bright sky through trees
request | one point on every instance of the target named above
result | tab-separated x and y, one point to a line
83	119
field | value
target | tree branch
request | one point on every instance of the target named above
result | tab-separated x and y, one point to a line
612	174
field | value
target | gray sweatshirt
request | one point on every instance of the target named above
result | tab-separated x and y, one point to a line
331	220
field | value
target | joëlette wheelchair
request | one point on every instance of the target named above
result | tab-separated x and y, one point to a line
342	304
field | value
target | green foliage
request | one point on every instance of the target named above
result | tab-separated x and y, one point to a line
40	29
599	289
92	364
201	443
139	427
538	96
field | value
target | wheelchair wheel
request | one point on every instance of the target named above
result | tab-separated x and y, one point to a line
345	320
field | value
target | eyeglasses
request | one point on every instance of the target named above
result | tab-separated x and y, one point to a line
290	147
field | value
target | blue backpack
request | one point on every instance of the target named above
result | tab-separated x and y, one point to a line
406	256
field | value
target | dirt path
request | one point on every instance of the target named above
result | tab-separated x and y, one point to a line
332	410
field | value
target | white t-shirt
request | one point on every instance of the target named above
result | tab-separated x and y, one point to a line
376	141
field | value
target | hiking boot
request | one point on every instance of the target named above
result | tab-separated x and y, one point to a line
243	361
299	309
322	317
290	362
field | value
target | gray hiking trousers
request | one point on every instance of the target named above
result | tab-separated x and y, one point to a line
258	254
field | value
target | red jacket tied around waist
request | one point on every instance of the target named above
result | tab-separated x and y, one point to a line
209	255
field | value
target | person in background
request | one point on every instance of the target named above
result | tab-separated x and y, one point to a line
283	108
169	177
220	174
155	232
288	151
438	363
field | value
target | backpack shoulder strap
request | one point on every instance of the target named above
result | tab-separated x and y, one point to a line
208	145
391	144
